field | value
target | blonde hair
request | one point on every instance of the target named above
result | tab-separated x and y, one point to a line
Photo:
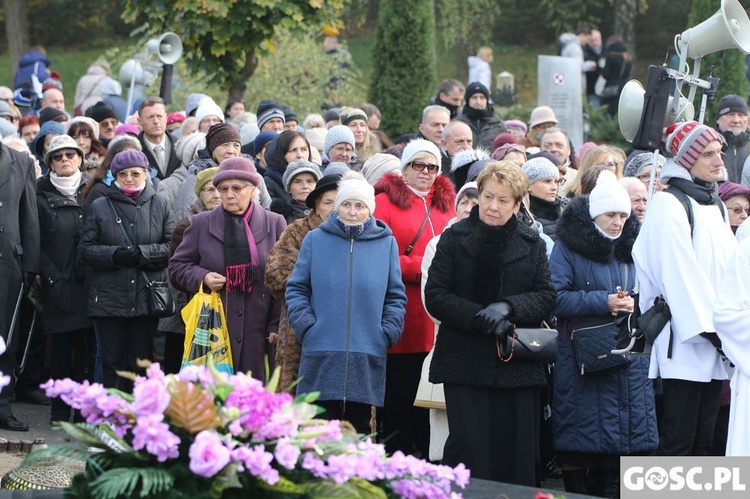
593	157
505	173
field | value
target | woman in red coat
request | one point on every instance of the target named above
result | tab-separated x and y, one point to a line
416	205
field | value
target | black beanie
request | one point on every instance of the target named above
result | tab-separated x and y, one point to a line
475	88
221	133
52	114
100	112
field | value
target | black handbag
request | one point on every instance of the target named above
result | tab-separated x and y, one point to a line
160	300
639	330
593	344
534	344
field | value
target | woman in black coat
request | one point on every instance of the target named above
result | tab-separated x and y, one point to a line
125	241
489	272
71	335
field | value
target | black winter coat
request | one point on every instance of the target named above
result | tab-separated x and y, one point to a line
462	354
116	291
547	213
61	270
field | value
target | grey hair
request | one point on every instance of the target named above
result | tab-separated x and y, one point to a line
434	109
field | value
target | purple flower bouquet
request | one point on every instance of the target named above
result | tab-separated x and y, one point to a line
207	434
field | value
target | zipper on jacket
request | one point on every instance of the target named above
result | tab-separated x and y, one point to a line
348	322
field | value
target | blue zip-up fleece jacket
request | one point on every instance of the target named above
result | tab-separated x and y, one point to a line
346	302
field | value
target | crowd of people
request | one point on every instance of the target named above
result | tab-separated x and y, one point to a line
367	268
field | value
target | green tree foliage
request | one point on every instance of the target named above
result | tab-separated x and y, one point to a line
404	63
297	72
224	39
729	65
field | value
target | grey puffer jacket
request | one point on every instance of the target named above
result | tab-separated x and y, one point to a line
116	291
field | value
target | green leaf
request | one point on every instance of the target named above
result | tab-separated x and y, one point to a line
228	479
53	454
329	490
99	436
283	486
127	481
368	490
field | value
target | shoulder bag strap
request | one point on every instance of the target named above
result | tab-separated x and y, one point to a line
118	220
419	232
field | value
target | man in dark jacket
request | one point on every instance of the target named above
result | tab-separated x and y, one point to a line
450	95
731	123
479	114
19	257
158	144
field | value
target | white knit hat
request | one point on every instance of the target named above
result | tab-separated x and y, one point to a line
416	147
354	186
540	168
208	107
608	196
378	165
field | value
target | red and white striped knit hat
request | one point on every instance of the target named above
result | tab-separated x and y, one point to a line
687	140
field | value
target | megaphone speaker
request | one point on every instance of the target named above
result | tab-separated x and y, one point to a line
132	70
630	110
168	47
728	28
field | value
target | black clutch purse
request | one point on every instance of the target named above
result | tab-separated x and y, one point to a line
533	344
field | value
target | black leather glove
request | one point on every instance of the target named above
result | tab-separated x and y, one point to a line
126	257
28	279
490	317
502	328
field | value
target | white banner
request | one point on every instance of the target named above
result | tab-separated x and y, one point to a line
559	87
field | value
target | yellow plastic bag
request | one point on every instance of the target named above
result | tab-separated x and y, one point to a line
206	332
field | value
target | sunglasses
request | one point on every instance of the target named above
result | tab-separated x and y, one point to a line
236	188
58	156
420	167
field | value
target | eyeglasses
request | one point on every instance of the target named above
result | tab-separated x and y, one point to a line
647	177
561	181
420	167
135	175
608	164
737	210
235	188
58	156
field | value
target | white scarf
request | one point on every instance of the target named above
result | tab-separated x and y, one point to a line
68	186
422	194
605	234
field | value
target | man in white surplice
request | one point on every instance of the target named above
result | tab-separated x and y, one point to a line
685	268
732	320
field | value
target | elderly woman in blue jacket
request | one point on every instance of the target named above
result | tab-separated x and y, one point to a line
346	302
597	417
